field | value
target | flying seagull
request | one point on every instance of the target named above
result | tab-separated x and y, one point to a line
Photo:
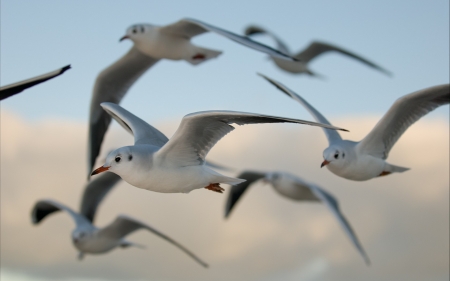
296	189
366	159
303	57
89	239
177	165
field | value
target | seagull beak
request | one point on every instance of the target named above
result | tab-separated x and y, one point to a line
123	38
100	170
324	163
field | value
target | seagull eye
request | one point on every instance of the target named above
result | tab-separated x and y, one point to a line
130	157
336	156
142	29
343	155
117	159
134	30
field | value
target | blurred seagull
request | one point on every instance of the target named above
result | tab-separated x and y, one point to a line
296	189
152	43
305	56
177	165
92	240
366	159
15	88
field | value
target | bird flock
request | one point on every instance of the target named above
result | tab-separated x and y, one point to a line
179	165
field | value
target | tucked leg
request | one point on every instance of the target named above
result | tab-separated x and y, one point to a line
215	187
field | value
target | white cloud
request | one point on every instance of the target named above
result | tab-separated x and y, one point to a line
402	219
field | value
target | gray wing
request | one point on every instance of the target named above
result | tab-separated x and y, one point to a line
238	190
124	225
111	85
191	27
94	192
333	205
15	88
402	114
143	132
317	48
43	208
253	29
332	135
200	131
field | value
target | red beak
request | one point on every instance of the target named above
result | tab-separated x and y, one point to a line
123	38
324	163
100	170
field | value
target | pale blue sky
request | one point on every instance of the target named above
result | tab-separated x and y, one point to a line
409	38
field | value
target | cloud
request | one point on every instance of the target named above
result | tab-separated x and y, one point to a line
401	219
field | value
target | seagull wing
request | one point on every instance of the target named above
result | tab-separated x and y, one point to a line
332	135
43	208
124	225
95	191
200	131
333	205
143	132
111	86
253	29
15	88
317	48
191	27
402	114
238	190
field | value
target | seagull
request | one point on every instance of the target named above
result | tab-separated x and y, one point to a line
152	43
89	239
315	49
296	189
178	165
366	159
15	88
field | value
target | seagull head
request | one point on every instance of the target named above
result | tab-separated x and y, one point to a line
334	155
272	177
118	161
79	236
136	32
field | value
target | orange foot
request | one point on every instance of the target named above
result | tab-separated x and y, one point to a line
199	57
215	187
384	173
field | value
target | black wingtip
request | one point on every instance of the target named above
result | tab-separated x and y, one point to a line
65	68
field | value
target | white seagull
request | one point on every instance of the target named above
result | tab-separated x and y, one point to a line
89	239
177	165
366	159
296	189
152	43
15	88
314	50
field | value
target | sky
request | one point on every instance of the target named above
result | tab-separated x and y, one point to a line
402	220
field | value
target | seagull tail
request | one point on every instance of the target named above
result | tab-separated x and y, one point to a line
395	169
201	54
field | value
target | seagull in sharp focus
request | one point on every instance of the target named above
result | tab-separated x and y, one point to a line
366	159
152	43
303	57
294	188
15	88
89	239
178	165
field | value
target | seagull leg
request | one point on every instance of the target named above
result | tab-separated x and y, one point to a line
215	187
199	57
384	173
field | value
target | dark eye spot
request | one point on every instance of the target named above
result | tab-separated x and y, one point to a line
117	159
336	156
134	30
130	157
343	155
142	29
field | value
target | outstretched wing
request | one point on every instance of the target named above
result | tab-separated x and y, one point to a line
191	27
317	48
238	190
94	192
124	225
333	205
15	88
143	132
332	135
402	114
43	208
111	86
253	29
200	131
